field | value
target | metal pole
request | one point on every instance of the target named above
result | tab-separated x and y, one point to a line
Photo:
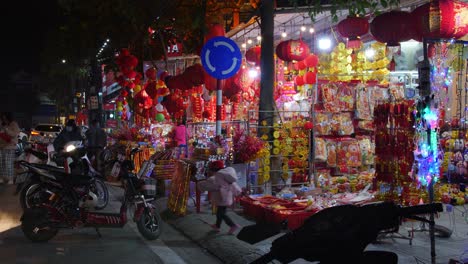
267	63
431	184
219	101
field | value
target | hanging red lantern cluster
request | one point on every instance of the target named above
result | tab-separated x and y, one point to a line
127	63
291	50
353	28
392	27
441	19
154	87
253	55
311	61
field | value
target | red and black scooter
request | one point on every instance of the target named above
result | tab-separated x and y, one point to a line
64	210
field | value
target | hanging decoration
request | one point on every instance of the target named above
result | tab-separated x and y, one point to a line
392	27
253	55
291	50
440	19
427	154
353	28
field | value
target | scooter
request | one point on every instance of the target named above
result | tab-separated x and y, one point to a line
36	188
41	223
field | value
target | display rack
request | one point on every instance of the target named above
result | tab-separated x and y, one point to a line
290	145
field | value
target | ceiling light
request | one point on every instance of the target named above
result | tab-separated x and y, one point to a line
284	34
324	43
311	30
259	38
244	45
249	41
303	28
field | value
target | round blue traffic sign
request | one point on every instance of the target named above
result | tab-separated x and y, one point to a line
221	57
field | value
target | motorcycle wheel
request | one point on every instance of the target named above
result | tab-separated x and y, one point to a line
36	225
149	224
31	196
101	191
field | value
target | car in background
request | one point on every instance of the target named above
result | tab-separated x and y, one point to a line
45	133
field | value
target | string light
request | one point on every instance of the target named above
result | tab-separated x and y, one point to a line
311	30
244	45
249	41
303	28
259	38
284	34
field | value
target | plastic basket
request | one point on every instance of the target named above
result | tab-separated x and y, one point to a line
295	218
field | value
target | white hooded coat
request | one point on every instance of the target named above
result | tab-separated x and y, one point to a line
223	187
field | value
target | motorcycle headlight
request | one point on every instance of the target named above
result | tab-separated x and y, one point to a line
70	148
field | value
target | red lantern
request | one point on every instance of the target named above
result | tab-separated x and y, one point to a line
292	50
194	75
308	125
301	65
310	78
440	19
311	60
392	27
216	30
353	28
253	55
299	80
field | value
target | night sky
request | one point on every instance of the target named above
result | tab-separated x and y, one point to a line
24	26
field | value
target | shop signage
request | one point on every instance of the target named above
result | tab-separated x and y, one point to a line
221	57
111	123
174	49
93	102
109	107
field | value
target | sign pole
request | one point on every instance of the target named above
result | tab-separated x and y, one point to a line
219	101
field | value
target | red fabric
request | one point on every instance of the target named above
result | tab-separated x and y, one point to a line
5	137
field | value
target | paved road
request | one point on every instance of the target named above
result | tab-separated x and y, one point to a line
117	246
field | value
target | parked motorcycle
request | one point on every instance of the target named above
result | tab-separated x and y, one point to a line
338	234
39	181
64	209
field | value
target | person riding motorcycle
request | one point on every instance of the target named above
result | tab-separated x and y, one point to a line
70	133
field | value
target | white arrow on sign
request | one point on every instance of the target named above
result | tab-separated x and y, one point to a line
233	66
224	43
208	63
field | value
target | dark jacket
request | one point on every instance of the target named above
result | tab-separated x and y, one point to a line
96	137
64	137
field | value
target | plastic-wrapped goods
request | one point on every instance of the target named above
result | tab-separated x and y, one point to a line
331	153
363	105
345	98
349	153
330	98
346	124
320	150
322	124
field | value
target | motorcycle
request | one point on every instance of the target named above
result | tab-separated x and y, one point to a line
64	210
37	189
338	234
